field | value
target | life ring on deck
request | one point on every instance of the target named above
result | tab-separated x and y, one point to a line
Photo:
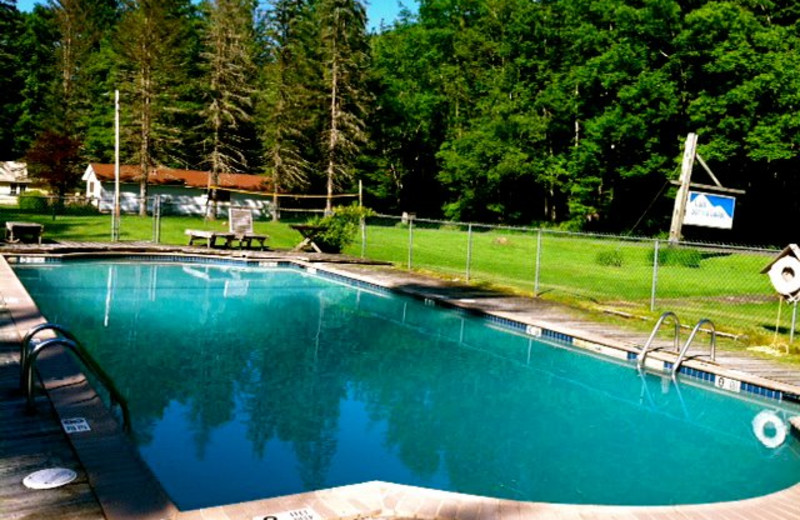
760	423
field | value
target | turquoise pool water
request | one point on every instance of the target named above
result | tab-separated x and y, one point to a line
252	383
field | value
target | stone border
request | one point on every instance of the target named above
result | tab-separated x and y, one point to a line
126	487
383	500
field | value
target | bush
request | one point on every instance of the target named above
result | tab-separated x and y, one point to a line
340	227
611	258
677	256
79	208
33	201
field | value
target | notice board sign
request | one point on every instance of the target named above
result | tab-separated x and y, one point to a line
708	210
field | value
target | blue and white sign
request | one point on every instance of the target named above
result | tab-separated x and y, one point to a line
707	210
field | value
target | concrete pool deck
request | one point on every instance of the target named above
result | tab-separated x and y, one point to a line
128	493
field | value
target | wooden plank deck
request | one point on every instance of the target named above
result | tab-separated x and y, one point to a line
33	441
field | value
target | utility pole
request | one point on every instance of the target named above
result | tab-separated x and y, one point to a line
689	153
115	216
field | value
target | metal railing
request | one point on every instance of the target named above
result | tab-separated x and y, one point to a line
713	342
29	354
648	345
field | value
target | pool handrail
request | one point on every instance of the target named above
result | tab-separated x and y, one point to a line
24	347
88	362
648	345
713	343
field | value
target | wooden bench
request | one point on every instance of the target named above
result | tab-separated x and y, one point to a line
209	237
20	231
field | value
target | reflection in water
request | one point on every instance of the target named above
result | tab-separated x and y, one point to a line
247	383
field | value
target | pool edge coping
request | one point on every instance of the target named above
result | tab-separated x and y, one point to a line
338	502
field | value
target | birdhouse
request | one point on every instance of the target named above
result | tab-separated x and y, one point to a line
784	273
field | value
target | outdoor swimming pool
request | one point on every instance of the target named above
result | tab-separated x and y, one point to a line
249	383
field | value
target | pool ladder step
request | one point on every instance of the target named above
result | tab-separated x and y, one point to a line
681	351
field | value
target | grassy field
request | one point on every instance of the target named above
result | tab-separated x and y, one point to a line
594	273
724	286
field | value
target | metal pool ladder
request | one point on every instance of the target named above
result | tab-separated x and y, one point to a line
682	356
648	346
28	356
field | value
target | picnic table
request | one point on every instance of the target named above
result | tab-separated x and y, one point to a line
19	231
309	232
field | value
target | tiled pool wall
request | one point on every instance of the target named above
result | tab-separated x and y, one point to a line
709	378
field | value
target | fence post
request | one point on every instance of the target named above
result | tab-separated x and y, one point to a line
157	219
114	223
410	241
654	284
794	322
469	249
538	262
363	236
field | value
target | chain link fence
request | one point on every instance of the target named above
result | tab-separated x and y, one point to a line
626	275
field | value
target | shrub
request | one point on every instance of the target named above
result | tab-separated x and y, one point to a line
340	227
80	208
33	201
677	256
610	258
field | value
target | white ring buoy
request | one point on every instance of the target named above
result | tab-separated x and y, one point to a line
785	275
760	422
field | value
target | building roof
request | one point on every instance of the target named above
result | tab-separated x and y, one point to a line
12	171
188	178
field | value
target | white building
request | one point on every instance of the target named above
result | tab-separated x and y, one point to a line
183	192
13	181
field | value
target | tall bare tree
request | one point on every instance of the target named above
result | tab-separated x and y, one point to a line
344	55
229	49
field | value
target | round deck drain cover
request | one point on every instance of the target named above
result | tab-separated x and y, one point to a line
49	478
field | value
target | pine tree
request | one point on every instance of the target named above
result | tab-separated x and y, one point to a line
344	57
287	94
151	40
229	43
11	81
81	25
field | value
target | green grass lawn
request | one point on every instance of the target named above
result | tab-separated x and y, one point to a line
726	287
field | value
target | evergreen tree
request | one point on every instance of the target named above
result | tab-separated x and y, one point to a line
343	55
38	72
229	42
11	80
152	42
81	25
286	100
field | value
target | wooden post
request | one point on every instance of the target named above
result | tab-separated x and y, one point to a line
689	153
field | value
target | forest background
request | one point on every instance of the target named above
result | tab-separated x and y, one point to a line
567	113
